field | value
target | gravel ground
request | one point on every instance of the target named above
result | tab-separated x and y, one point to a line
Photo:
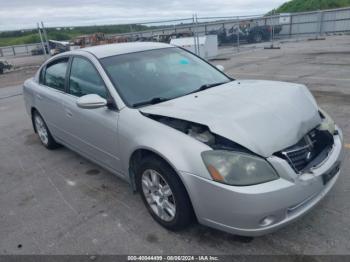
24	68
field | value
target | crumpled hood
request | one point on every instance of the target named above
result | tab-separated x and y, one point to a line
263	116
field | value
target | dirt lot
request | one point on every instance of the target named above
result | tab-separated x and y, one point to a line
56	202
24	68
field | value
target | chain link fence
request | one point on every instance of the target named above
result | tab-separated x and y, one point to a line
19	50
232	32
289	25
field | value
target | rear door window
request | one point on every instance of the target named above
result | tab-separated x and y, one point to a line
55	74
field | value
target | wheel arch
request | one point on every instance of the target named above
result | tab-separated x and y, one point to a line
142	152
138	154
32	112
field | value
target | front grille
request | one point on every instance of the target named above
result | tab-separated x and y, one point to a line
311	150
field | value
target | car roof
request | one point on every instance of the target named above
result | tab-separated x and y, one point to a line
102	51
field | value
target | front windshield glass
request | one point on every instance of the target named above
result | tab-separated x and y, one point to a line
160	74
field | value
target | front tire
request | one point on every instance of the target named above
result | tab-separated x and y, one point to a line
164	194
43	132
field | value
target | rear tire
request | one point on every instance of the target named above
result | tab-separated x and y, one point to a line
166	200
43	132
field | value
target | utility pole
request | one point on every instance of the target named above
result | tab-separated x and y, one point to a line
194	35
272	22
41	40
238	34
46	39
131	31
197	36
318	32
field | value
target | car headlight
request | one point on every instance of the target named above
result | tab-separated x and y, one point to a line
238	169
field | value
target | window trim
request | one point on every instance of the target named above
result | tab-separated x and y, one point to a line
42	75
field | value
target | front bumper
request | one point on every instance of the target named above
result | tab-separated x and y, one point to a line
261	209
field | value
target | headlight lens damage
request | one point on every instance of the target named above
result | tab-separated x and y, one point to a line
238	169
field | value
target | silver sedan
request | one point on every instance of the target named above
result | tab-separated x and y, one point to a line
243	156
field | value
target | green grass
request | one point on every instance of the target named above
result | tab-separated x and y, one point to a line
27	39
310	5
34	38
31	36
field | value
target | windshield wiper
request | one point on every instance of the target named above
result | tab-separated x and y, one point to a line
157	100
153	101
207	86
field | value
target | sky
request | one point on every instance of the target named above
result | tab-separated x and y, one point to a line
24	14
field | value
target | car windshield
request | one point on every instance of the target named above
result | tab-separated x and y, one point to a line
154	76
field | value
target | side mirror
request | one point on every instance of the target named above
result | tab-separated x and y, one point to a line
220	67
91	101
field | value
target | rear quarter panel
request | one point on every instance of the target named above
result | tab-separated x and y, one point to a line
29	94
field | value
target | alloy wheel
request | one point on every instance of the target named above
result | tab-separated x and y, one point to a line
41	129
158	195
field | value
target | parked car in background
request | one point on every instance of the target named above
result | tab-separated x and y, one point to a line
244	156
4	65
57	47
248	32
39	50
